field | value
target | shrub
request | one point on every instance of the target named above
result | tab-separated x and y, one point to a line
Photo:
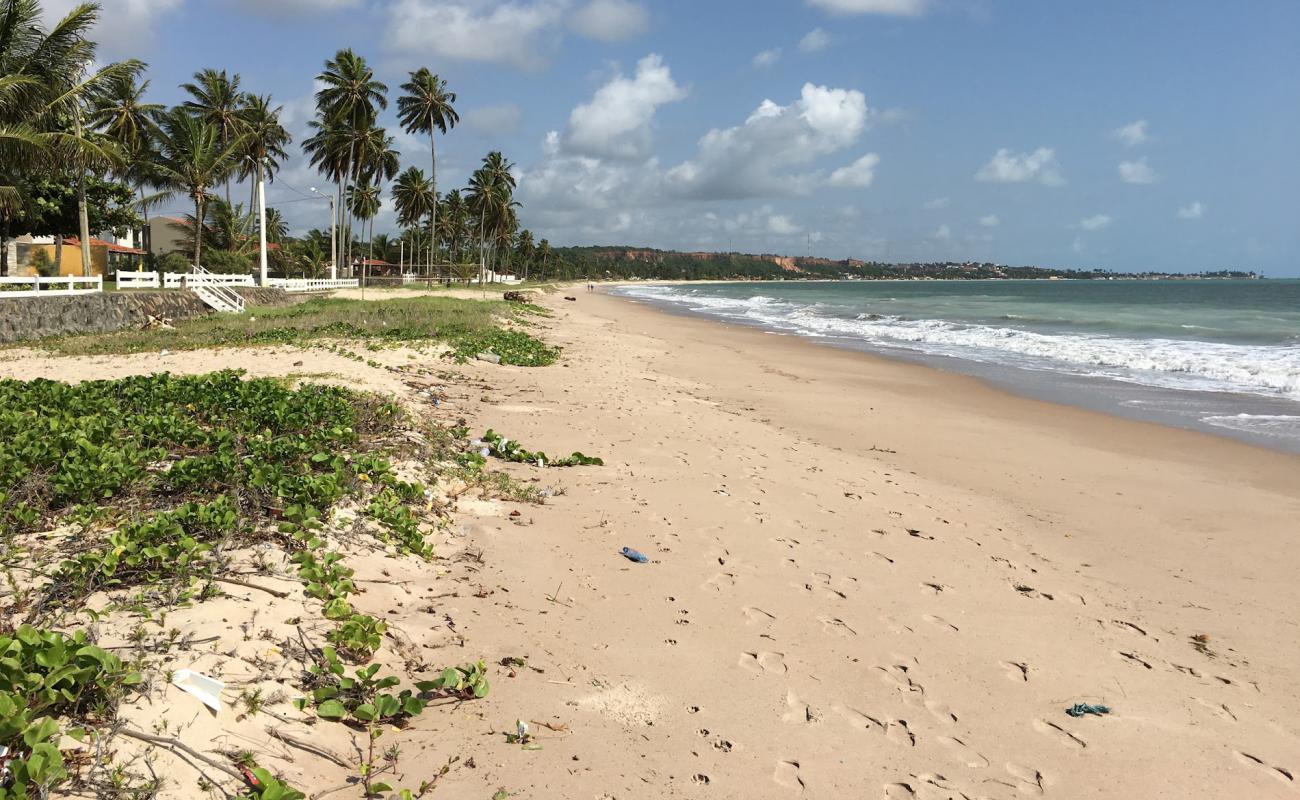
44	265
227	263
173	262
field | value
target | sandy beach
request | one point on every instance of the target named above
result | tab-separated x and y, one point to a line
866	579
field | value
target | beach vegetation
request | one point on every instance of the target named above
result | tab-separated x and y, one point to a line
510	450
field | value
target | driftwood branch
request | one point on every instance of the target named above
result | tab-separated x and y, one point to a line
177	745
247	585
309	747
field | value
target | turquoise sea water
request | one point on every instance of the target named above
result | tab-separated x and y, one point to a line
1217	355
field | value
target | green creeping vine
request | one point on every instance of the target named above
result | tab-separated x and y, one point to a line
514	347
171	544
45	675
508	450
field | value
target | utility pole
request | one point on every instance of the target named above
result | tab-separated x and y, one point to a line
261	213
334	247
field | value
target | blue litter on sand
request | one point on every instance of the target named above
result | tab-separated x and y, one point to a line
633	555
1083	709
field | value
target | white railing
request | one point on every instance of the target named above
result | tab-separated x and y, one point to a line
175	280
312	284
59	286
138	280
214	291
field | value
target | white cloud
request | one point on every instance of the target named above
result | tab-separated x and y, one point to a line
515	33
500	119
814	40
610	20
1078	246
616	123
781	225
1137	172
1132	134
768	57
896	8
990	221
1095	223
943	233
937	203
860	173
749	160
1009	167
1194	211
123	25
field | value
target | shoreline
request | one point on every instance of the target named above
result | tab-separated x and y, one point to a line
1195	410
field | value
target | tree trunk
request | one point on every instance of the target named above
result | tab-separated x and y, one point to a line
198	227
58	254
433	185
145	234
83	220
4	248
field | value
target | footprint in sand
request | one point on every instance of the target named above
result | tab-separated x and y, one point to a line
759	663
1060	734
836	626
1220	709
963	752
898	675
1031	780
899	791
1016	670
939	622
897	731
858	719
721	581
941	712
1281	773
797	711
787	775
889	562
757	616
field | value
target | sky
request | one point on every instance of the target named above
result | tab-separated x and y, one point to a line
1157	135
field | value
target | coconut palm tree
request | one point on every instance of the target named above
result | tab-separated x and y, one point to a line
413	197
216	99
525	249
118	111
192	158
44	83
225	227
427	107
277	230
347	103
265	140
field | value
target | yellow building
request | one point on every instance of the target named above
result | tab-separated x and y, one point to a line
106	258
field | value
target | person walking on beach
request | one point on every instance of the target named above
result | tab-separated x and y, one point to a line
591	287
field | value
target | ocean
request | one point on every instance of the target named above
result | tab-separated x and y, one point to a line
1218	356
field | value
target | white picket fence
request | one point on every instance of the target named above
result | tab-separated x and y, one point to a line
50	287
312	284
175	280
138	280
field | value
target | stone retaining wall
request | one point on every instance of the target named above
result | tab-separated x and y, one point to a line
23	318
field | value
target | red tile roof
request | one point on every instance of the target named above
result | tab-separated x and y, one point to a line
73	241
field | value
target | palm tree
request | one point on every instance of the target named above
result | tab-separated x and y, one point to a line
218	101
363	202
277	230
43	84
225	227
413	197
118	111
525	249
492	205
265	140
192	157
347	103
426	107
544	250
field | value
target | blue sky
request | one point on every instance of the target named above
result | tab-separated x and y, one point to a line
1125	135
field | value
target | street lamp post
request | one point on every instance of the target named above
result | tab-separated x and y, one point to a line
334	247
261	213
